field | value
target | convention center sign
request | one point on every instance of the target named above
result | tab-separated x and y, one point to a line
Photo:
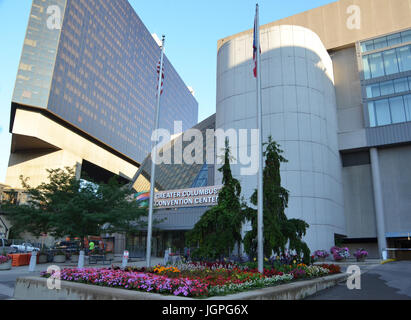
194	197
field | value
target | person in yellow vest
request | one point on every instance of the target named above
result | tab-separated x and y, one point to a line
91	246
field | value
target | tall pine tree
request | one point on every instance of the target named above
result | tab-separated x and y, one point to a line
219	228
278	229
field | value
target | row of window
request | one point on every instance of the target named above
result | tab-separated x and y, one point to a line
389	111
385	88
387	62
387	41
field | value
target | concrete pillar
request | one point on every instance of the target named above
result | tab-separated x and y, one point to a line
378	200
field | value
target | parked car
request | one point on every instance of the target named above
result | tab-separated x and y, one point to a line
26	247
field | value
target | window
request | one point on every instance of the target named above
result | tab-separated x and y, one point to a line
386	88
397	110
404	58
382	112
394	39
366	65
355	158
407	106
373	90
401	85
380	43
371	112
406	36
202	178
367	46
387	62
390	62
386	41
388	111
376	65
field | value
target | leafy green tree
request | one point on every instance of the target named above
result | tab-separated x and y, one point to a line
278	229
66	206
219	228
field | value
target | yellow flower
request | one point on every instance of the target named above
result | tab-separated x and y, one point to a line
255	259
294	262
265	259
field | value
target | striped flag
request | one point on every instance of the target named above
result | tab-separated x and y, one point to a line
255	46
162	77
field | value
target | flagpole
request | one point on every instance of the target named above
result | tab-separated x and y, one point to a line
260	221
153	161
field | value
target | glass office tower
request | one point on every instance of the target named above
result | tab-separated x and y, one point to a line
98	73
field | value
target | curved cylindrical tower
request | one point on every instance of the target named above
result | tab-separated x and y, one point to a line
299	112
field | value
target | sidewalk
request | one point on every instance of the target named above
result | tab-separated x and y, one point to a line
351	261
365	266
68	264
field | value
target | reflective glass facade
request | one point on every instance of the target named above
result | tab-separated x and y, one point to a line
386	41
388	111
389	87
36	66
387	62
202	178
101	74
179	176
386	65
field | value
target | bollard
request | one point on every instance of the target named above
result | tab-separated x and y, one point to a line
166	257
33	261
80	264
125	260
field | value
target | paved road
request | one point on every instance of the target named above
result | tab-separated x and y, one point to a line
390	281
8	279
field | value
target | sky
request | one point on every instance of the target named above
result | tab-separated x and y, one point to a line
192	29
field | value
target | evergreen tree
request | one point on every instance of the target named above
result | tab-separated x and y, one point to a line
219	228
278	229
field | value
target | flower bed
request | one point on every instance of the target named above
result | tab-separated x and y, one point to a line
4	259
192	280
340	253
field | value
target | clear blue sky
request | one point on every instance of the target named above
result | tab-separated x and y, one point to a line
192	28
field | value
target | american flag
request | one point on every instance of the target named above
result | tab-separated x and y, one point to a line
255	46
162	78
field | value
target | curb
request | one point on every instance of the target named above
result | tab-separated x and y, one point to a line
35	288
387	261
289	291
